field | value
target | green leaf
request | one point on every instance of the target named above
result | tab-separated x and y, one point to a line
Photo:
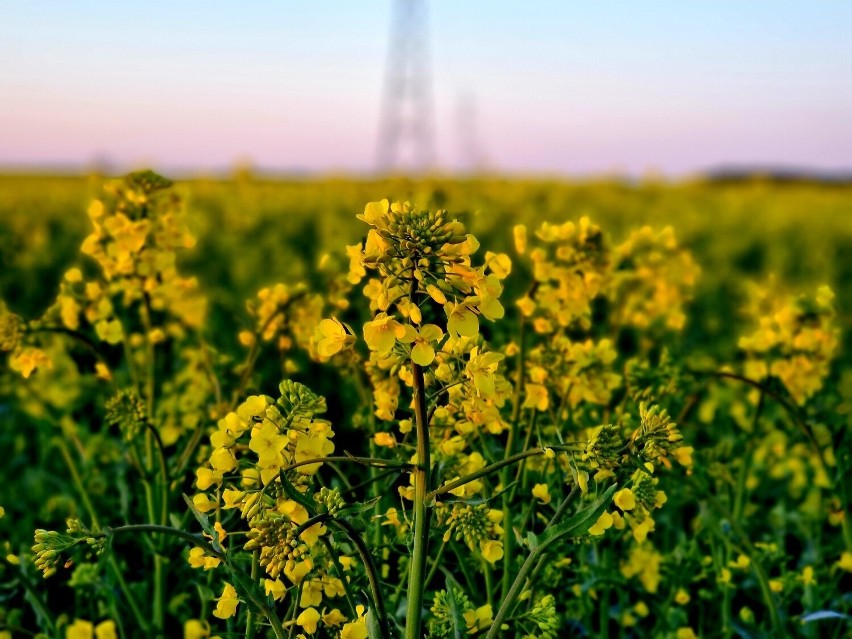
374	630
202	519
579	523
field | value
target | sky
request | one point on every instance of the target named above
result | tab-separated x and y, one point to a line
556	87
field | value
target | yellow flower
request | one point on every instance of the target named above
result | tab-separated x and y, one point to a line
196	629
384	439
542	493
479	619
625	499
520	236
381	333
776	585
536	397
333	618
491	549
106	630
275	588
499	263
603	522
308	619
80	629
109	331
27	360
807	577
461	320
197	559
332	337
685	632
422	353
356	629
682	597
356	266
227	603
203	503
845	562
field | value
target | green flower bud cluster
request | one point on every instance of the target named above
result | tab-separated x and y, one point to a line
645	491
126	411
604	448
329	500
466	523
414	233
544	616
299	402
447	609
656	436
275	536
48	548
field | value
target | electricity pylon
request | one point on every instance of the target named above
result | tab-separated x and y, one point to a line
405	132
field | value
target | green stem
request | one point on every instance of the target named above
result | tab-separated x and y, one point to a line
255	567
417	564
111	561
508	533
487	470
436	562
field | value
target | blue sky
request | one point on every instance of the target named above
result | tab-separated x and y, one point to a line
555	87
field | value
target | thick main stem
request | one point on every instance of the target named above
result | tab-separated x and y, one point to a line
417	565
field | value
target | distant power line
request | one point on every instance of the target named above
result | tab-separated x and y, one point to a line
406	135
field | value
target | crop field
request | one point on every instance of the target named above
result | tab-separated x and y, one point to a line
438	407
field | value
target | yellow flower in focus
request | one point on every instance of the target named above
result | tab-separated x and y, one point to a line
479	619
333	337
308	619
227	603
382	332
356	629
333	618
422	353
203	503
491	549
80	629
275	588
542	493
461	320
198	559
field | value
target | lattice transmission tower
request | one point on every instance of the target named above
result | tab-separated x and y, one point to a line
406	136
